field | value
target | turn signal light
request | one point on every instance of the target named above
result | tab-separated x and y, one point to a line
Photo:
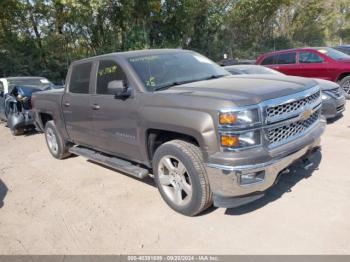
229	141
227	118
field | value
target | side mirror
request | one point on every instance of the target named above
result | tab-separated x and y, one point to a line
119	89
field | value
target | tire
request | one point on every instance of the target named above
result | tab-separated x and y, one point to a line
345	86
56	144
186	187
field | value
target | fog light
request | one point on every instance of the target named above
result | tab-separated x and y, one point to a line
251	178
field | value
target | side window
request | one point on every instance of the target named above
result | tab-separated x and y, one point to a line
80	78
309	57
270	60
286	58
108	71
2	89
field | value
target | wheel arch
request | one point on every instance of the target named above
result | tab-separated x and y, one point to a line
342	75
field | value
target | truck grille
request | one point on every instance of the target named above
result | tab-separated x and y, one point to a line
282	111
277	135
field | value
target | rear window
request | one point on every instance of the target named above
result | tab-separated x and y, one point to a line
80	78
270	60
286	58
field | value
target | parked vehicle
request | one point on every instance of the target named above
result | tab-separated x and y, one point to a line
316	62
205	135
333	100
15	101
343	48
231	61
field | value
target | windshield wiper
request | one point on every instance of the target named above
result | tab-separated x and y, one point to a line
176	83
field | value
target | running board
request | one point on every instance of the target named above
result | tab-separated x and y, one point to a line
110	161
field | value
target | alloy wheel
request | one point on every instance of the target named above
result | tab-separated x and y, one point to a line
346	87
52	140
174	180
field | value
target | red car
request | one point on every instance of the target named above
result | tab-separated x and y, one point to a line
316	62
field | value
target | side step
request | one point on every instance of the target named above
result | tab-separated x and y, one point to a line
110	161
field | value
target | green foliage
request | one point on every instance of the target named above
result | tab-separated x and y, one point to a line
42	37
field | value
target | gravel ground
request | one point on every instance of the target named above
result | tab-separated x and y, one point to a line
74	206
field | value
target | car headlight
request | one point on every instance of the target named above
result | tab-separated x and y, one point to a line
243	118
325	96
241	140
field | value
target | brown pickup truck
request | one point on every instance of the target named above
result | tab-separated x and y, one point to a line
205	136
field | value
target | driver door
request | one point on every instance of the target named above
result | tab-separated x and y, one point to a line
2	101
114	120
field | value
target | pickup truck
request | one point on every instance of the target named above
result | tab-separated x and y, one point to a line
206	137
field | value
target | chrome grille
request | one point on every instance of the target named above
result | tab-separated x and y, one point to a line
281	111
277	135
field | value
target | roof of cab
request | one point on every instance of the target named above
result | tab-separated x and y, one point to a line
128	54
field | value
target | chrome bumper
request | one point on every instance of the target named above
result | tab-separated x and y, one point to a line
225	179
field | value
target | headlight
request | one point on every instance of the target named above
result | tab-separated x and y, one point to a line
325	96
242	118
241	140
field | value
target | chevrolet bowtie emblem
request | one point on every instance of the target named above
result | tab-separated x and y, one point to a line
305	114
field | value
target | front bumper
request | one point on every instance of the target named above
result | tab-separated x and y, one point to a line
332	107
225	178
20	120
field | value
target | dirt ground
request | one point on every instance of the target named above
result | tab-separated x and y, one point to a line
74	206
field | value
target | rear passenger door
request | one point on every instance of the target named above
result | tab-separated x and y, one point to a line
2	101
313	65
76	104
115	120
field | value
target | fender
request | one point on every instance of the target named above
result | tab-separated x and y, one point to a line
197	124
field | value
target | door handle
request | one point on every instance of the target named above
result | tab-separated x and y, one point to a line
66	104
95	107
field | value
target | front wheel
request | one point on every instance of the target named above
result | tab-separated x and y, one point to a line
57	146
345	86
181	177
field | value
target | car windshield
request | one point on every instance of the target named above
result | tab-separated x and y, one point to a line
39	83
164	70
332	53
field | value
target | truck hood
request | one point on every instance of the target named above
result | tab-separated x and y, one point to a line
244	89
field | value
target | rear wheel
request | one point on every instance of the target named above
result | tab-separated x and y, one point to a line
181	177
345	86
57	146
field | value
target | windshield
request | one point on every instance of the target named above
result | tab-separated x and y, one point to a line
168	69
39	83
332	53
